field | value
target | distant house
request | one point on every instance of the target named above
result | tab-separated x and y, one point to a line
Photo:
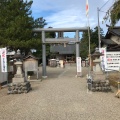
63	51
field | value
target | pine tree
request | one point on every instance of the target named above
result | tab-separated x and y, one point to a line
16	24
84	44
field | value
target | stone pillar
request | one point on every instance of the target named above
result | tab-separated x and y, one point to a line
78	53
98	74
44	75
18	77
98	70
77	44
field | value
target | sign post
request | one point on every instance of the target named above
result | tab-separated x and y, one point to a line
3	60
79	69
3	65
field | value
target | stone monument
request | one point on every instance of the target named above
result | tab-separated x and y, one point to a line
97	61
98	82
97	73
18	77
19	85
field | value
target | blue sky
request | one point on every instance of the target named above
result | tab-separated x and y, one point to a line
71	13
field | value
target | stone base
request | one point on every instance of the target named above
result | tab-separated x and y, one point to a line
18	80
99	85
18	88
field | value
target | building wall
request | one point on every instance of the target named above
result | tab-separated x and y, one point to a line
69	49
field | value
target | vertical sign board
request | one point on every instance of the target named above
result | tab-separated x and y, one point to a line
3	60
79	66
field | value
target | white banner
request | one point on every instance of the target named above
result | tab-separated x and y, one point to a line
3	60
78	64
103	58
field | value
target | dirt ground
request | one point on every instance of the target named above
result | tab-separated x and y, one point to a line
61	96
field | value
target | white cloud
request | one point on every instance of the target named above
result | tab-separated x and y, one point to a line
70	13
66	18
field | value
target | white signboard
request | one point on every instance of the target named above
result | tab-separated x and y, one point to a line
3	60
78	64
113	61
110	60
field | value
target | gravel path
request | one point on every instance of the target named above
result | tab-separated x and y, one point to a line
61	96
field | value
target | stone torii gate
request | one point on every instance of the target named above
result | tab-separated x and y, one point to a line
60	40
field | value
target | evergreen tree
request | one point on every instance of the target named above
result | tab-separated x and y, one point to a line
40	23
16	24
94	36
84	45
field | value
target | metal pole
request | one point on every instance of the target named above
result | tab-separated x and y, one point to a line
99	41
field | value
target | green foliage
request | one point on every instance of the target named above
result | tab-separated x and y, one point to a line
16	23
84	45
94	35
115	13
40	23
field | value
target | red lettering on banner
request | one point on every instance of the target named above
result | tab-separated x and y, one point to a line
109	59
3	54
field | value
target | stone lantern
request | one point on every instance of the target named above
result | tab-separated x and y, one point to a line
19	85
18	77
97	61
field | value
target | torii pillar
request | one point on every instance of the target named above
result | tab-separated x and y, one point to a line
44	74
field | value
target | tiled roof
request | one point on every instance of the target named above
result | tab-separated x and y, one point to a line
108	41
30	56
113	31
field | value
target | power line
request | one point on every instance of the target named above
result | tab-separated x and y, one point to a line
107	15
98	10
104	4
